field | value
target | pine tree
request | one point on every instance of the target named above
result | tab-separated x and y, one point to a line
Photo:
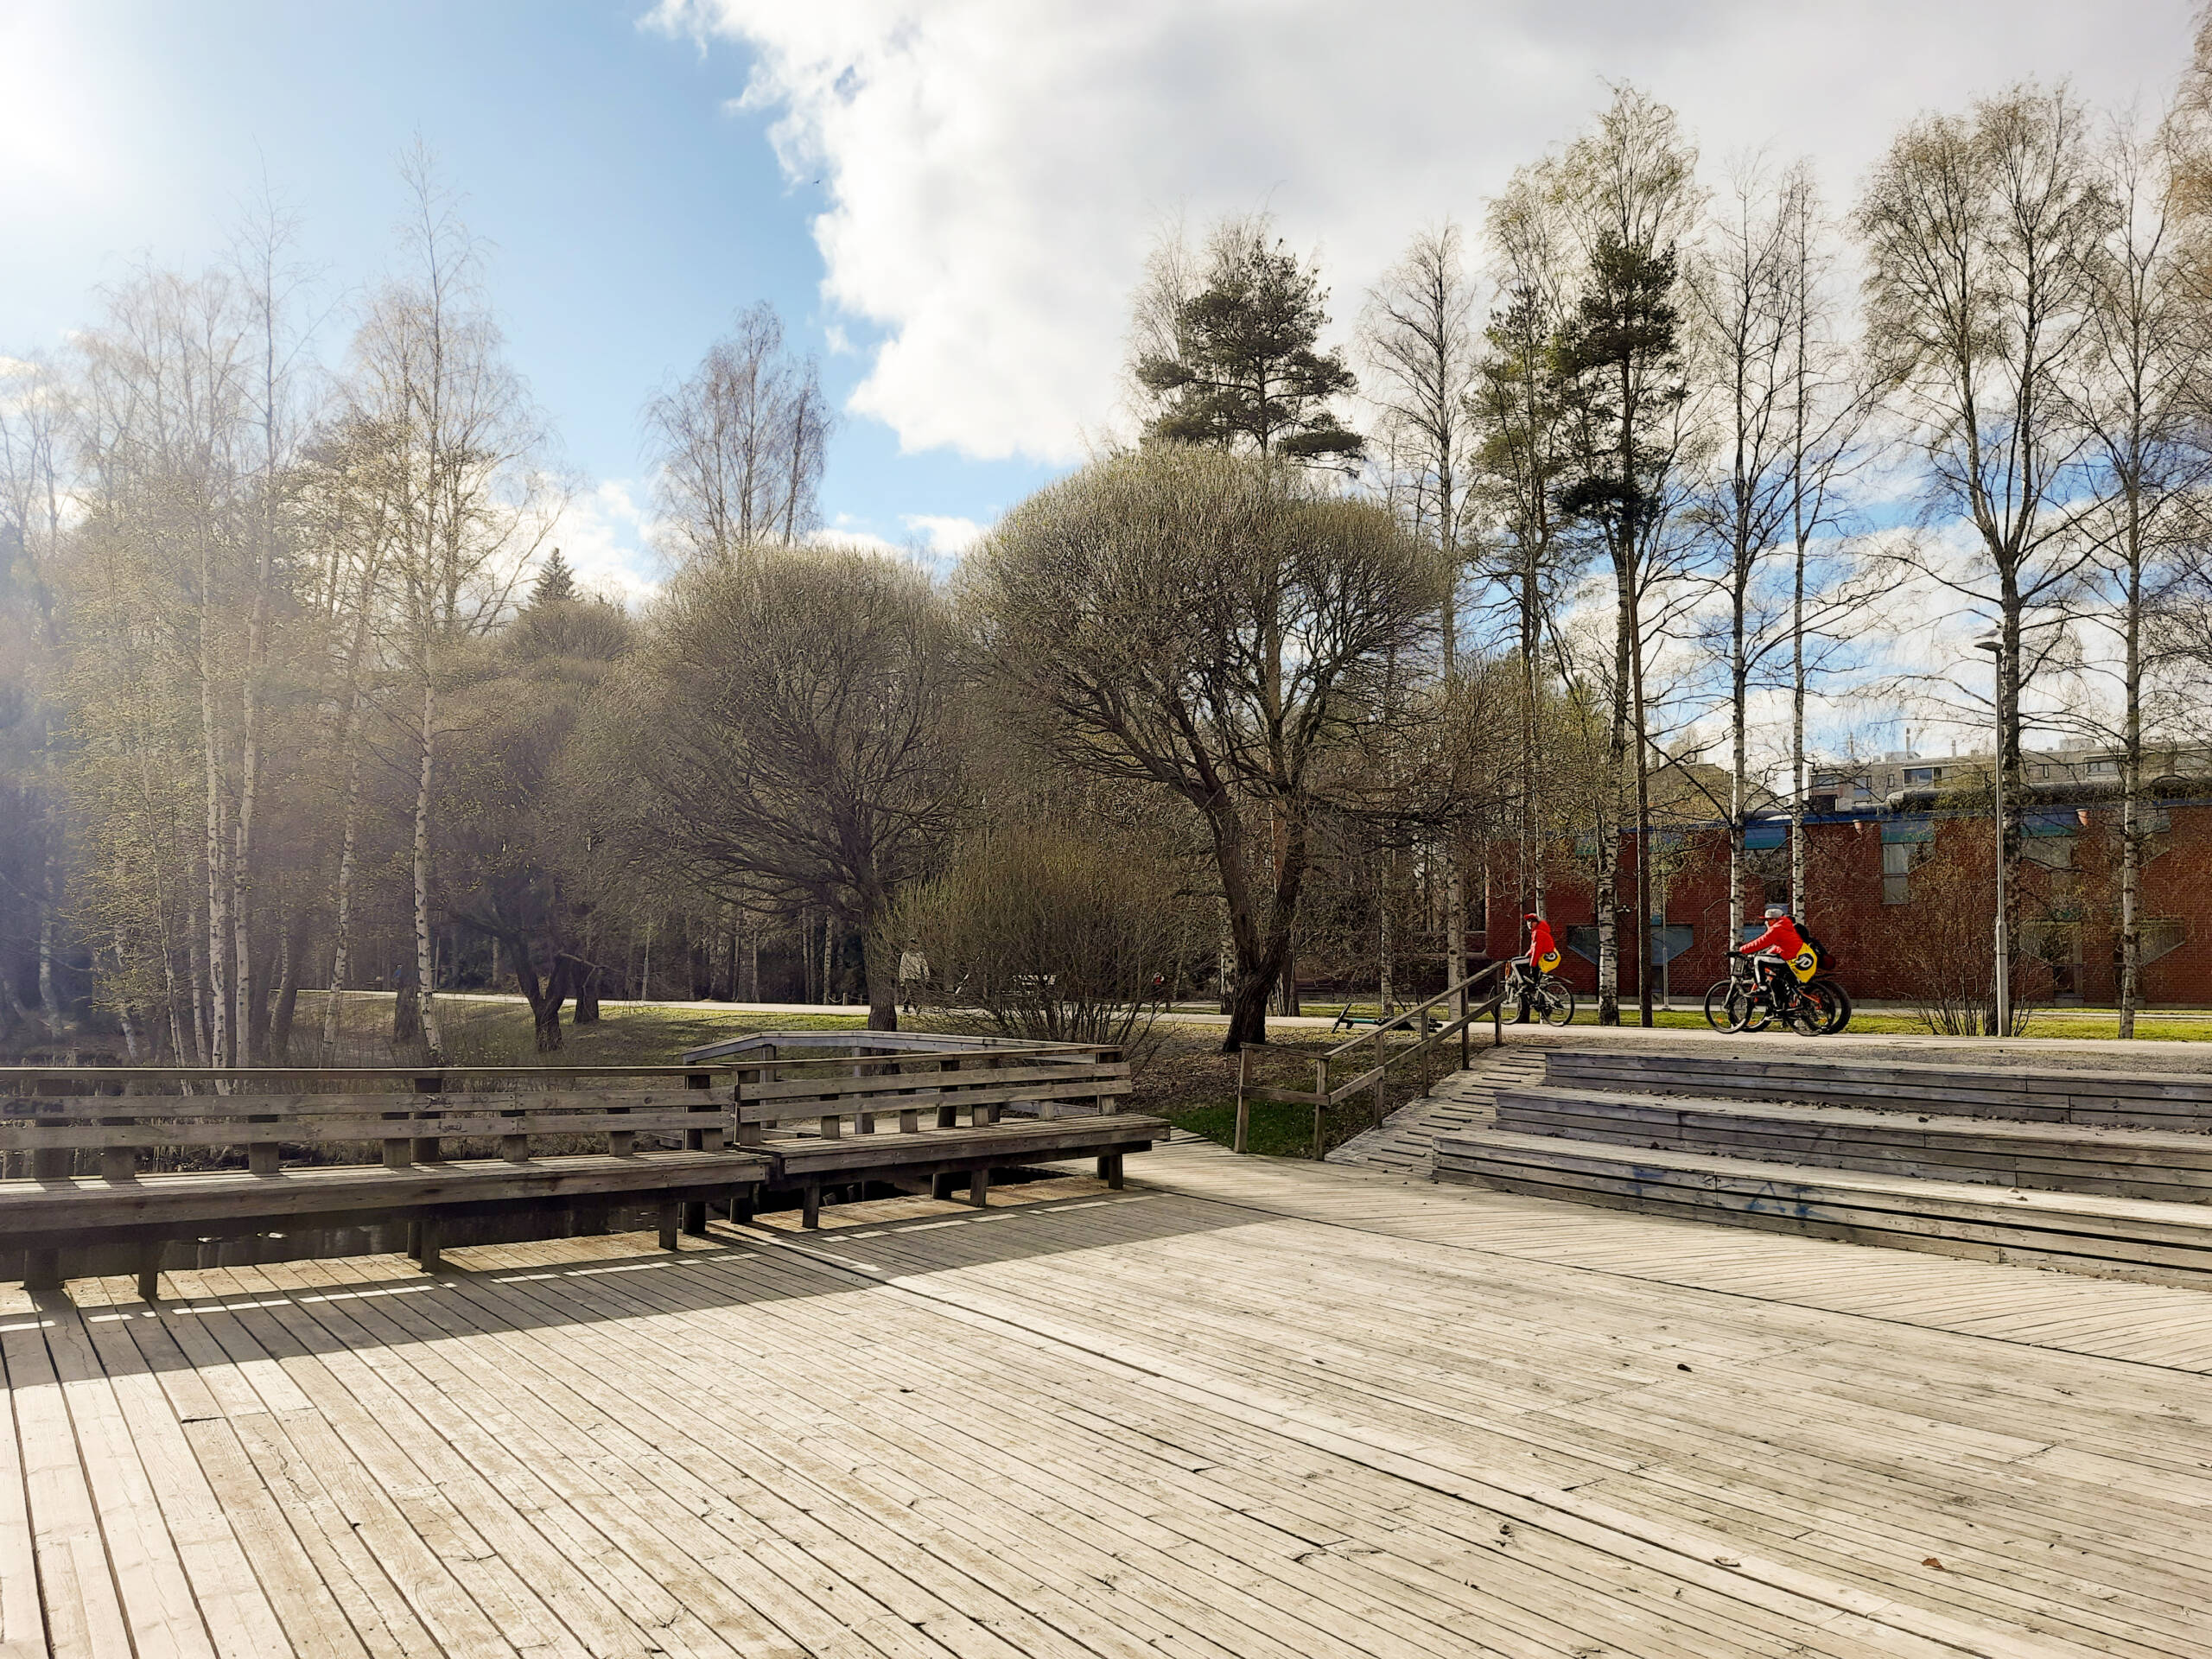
1246	368
555	582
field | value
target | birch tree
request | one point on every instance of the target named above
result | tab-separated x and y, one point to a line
1419	337
2141	401
473	501
1983	233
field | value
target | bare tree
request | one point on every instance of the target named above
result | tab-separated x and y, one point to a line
1983	234
740	443
1213	627
2141	400
1781	437
473	500
1419	337
791	726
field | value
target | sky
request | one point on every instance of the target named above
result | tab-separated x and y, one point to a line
949	201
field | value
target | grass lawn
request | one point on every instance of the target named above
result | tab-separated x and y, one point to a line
485	1030
1190	1081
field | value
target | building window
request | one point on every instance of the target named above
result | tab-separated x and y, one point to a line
2103	768
1905	843
2162	934
1923	774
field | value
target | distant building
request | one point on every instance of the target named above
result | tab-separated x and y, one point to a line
1900	868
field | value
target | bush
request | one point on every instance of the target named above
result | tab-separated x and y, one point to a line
1053	934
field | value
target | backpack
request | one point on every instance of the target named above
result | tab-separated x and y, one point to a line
1812	959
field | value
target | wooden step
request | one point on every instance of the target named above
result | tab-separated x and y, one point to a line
2095	1099
2159	1165
2104	1238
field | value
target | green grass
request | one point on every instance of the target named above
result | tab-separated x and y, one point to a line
483	1032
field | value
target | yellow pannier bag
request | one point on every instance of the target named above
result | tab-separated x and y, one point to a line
1805	963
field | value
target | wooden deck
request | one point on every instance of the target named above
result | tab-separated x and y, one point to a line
1245	1407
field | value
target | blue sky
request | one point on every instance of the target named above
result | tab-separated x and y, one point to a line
633	212
948	199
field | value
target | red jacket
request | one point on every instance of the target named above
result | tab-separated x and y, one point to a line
1540	940
1781	939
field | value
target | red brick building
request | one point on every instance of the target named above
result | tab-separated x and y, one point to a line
1901	877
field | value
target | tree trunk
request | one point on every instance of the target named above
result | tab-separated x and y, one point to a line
286	1004
587	982
2130	809
545	996
340	965
879	962
425	958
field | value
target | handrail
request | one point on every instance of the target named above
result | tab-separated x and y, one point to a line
1322	1097
1467	983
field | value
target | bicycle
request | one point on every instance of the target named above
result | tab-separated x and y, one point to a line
1549	997
1743	1001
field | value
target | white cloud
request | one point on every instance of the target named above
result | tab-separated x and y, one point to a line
944	538
996	167
605	535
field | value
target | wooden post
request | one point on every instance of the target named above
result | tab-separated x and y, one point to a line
1244	1106
941	1185
740	1207
1109	1169
1320	1102
1497	1020
1463	1055
668	1214
427	1243
149	1271
118	1163
1380	1066
695	1217
979	1188
809	1208
427	1148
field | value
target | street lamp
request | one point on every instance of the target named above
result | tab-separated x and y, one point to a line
1994	644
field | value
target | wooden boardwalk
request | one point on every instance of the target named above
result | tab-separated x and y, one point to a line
1246	1406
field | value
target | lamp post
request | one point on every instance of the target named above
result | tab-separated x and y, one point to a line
1994	644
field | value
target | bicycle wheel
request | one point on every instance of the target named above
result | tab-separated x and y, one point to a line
1557	1000
1749	1010
1809	1011
1838	1001
1716	1004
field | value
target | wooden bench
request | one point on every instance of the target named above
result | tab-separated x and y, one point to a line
78	1144
2092	1099
827	1121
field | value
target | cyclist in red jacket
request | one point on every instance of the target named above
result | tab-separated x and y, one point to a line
1771	953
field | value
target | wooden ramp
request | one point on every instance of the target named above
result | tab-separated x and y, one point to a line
1258	1408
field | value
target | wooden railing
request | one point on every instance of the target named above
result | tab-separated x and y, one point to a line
1417	1020
51	1114
772	1090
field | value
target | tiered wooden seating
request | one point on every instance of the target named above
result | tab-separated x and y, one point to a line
2001	1164
1069	1096
2150	1164
82	1142
2109	1100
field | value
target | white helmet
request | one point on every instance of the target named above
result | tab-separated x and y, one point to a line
1776	913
